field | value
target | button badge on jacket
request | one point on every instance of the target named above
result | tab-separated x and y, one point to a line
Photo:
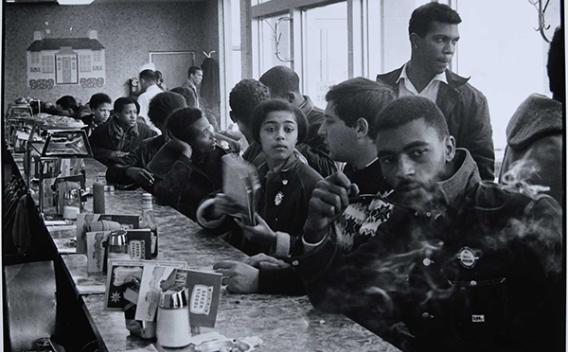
467	257
278	198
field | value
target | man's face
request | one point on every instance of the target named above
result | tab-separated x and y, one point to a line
338	136
413	158
196	77
127	117
204	136
436	49
102	113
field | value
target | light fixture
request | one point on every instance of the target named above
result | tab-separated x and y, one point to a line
75	2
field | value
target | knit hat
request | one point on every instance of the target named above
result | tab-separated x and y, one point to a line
162	105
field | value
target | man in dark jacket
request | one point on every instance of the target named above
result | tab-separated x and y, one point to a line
460	265
120	134
433	31
131	169
188	167
533	157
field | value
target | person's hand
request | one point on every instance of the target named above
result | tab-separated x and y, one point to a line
263	261
260	233
140	176
179	145
240	277
329	200
117	154
225	205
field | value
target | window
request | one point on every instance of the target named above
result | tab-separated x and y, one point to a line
35	57
97	55
47	64
274	46
326	53
85	63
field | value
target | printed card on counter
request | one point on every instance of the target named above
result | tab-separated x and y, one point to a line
240	182
150	287
204	290
124	281
96	250
87	222
139	243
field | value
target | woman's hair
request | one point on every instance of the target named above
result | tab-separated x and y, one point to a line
180	122
262	110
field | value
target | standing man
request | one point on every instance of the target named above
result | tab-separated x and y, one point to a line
148	82
433	32
194	78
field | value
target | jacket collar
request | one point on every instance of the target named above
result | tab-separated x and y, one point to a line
447	93
455	187
116	130
307	106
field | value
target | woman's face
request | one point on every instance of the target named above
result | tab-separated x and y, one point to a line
279	135
102	113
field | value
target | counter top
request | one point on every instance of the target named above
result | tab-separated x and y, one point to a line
280	321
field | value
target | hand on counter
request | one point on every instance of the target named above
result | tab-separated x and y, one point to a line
117	154
260	233
140	176
329	200
239	277
263	261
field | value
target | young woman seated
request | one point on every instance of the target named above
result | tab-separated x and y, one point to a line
286	184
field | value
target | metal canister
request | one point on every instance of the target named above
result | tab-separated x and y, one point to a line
116	247
172	326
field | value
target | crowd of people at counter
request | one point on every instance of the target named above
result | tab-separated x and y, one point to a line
382	207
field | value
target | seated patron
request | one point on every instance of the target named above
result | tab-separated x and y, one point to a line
460	264
188	167
533	156
120	134
286	185
132	168
97	111
349	131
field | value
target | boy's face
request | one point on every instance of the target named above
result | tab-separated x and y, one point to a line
436	49
338	136
127	117
204	135
102	113
279	135
413	158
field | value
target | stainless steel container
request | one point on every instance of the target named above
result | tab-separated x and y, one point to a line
172	326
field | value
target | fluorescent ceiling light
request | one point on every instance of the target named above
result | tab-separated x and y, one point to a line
75	2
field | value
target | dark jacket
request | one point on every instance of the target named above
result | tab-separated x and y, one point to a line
480	272
358	222
467	115
188	181
110	136
315	117
282	202
534	146
140	157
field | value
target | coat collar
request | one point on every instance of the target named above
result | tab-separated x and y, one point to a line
455	187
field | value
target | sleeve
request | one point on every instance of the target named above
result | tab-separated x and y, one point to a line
318	160
143	102
100	153
169	188
280	281
478	133
116	174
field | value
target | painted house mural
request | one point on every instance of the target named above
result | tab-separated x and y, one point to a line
66	61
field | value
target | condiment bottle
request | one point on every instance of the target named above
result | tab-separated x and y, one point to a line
172	326
149	222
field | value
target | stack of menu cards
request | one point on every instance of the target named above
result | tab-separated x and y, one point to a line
240	182
140	282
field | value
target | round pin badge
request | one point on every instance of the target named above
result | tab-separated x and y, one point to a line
278	198
467	257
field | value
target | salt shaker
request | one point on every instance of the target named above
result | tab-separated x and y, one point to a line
172	326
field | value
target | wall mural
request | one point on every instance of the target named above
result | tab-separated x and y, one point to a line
66	61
